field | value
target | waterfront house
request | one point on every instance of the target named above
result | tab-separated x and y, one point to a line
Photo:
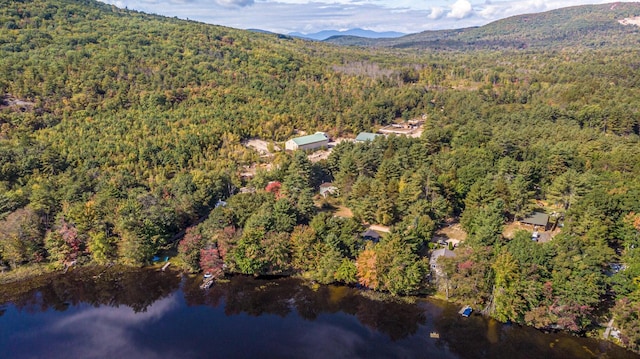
433	261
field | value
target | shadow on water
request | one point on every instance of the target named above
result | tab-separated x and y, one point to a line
245	317
115	286
281	297
474	337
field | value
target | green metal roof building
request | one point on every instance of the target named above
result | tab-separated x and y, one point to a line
309	142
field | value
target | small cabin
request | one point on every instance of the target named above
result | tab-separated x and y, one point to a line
538	220
328	188
370	235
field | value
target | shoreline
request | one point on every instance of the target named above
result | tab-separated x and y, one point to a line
35	276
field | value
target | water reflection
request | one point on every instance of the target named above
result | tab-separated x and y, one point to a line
281	297
148	314
480	337
115	286
98	333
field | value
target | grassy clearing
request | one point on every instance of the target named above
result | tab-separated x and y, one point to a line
25	272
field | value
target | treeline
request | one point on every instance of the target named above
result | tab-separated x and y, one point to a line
414	185
279	230
120	131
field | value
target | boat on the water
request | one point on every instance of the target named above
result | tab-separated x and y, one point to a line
466	311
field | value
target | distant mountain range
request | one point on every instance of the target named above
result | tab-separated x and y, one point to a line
325	34
587	26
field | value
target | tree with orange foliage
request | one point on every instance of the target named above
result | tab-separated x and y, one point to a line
367	269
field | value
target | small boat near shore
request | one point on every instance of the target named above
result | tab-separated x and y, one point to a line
466	311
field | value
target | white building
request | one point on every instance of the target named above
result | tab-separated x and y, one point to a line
310	142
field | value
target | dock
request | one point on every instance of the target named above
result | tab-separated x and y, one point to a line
607	331
207	283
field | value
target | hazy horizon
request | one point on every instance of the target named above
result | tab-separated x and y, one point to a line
286	16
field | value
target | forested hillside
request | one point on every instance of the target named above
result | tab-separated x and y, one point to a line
120	131
586	26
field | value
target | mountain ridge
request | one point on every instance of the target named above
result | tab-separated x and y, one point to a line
326	34
588	26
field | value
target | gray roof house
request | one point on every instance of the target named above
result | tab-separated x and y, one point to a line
366	136
442	252
370	235
537	219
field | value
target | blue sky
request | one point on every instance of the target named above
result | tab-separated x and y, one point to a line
285	16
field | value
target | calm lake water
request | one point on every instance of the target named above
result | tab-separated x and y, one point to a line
147	314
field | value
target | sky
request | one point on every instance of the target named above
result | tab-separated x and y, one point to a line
286	16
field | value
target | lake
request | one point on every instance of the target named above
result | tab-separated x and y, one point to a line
118	313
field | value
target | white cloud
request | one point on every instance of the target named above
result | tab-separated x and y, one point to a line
103	332
284	16
436	13
461	9
504	9
235	3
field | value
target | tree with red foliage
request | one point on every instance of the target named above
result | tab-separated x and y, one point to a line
63	244
211	262
469	281
274	187
69	235
189	249
226	240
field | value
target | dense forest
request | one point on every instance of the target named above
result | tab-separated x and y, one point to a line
121	137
